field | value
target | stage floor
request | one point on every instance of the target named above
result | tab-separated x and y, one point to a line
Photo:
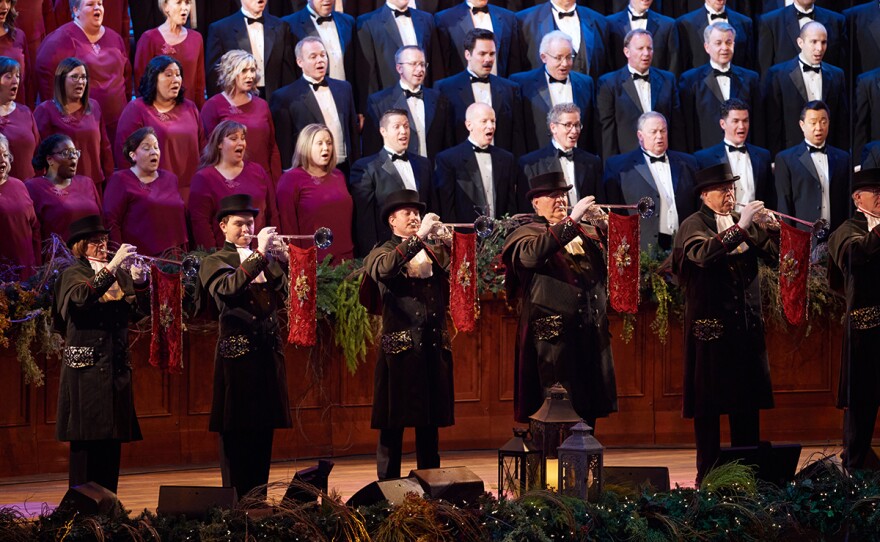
140	490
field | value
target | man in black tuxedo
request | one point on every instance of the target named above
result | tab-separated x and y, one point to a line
863	25
336	31
692	34
871	155
478	84
778	33
637	88
867	116
582	170
790	85
475	177
428	110
376	176
638	14
454	25
315	98
748	162
586	28
552	84
264	36
653	170
380	34
812	177
702	90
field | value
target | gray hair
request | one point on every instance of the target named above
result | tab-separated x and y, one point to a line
231	64
721	27
297	50
645	117
405	48
636	32
550	37
163	2
561	109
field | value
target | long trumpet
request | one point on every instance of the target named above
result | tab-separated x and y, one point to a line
189	264
323	237
483	226
645	207
819	228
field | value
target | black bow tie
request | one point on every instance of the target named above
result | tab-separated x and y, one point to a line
481	149
810	15
251	20
719	73
652	159
813	149
404	13
402	156
555	80
646	78
734	148
411	94
484	79
565	154
808	68
321	20
484	9
634	17
564	14
319	84
713	16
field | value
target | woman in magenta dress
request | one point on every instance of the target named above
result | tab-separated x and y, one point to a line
173	39
13	43
313	194
237	76
36	18
60	196
72	113
16	120
174	118
20	244
115	17
225	172
144	195
103	51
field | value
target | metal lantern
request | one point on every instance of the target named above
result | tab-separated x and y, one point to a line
551	424
521	466
580	464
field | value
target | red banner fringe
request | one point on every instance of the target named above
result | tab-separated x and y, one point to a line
166	309
463	302
794	270
623	262
302	301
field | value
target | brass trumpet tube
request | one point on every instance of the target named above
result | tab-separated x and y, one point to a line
783	215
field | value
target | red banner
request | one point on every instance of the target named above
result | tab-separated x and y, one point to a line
463	302
166	309
794	270
302	302
623	262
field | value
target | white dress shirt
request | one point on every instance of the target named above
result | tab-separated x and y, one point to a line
820	160
329	35
741	165
258	41
484	162
643	88
567	167
812	80
641	23
569	25
482	91
417	110
331	117
662	175
404	169
723	82
405	27
560	93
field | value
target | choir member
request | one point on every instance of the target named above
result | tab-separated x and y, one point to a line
225	172
13	44
16	120
238	101
35	19
60	196
21	244
145	194
176	120
72	113
101	48
172	38
313	193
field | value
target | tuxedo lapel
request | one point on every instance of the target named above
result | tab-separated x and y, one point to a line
656	84
270	30
630	88
422	31
736	85
473	187
430	101
391	29
312	103
466	93
807	162
797	78
389	169
645	172
587	44
241	35
580	173
711	83
544	91
790	21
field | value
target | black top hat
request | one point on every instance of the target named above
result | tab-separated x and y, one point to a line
712	176
85	227
236	204
866	178
400	199
547	182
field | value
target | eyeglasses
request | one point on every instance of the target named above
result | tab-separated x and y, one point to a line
78	78
562	58
569	126
415	64
98	240
68	154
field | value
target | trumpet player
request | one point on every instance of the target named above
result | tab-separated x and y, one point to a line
94	301
250	398
556	272
413	384
715	257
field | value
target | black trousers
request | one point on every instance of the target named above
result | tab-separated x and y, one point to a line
95	461
390	449
244	460
745	430
858	429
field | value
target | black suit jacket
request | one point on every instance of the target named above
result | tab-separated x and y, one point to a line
778	31
701	101
871	155
372	179
454	23
765	189
536	103
662	28
863	25
867	117
231	33
538	20
798	190
458	185
690	34
209	12
619	109
438	129
784	95
378	39
506	102
295	106
587	173
301	25
628	178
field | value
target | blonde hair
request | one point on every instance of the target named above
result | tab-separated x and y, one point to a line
79	248
211	152
231	64
302	154
163	2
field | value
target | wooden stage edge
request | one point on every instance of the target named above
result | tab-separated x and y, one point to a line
139	488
